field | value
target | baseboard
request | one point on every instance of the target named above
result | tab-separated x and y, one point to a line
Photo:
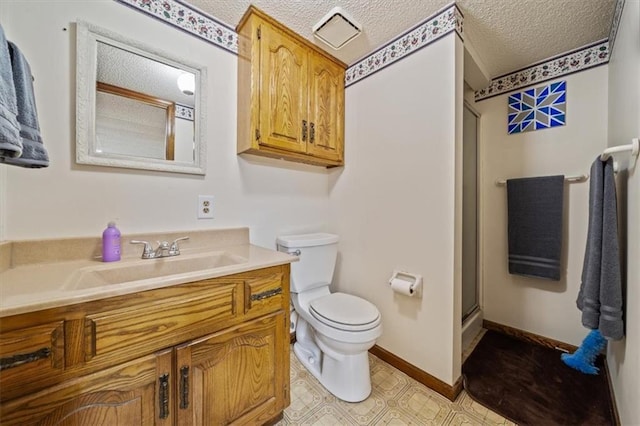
444	389
529	337
614	405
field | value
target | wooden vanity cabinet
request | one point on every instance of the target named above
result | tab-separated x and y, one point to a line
290	95
231	376
212	352
133	393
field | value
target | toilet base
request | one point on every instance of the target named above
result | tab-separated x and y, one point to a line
348	378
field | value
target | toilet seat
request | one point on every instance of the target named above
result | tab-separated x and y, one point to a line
345	312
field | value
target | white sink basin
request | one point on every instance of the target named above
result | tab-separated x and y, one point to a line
112	274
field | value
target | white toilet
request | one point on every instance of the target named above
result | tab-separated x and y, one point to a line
334	330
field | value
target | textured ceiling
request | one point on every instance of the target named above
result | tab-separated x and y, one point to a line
126	69
507	34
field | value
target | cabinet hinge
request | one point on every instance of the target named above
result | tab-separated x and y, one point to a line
259	33
257	134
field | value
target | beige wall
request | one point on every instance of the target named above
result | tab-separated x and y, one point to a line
535	305
394	203
270	197
624	123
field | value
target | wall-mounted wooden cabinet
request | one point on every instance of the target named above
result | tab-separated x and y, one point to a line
290	95
211	352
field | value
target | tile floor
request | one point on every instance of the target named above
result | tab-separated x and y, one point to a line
396	399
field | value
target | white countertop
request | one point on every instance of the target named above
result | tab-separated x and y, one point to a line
32	286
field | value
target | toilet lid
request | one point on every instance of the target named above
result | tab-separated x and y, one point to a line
345	312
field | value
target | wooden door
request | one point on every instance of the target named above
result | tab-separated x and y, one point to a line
134	393
236	376
326	100
283	90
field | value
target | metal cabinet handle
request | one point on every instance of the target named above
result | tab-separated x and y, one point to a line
163	392
19	359
304	130
184	387
266	294
312	136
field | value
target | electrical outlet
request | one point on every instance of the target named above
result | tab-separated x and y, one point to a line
205	206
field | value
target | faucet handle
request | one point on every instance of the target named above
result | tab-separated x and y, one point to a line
174	245
147	248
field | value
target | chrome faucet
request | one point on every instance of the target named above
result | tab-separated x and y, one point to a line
164	248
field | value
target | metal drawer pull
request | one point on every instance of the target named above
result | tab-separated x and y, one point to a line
184	387
16	360
266	294
163	393
312	133
304	130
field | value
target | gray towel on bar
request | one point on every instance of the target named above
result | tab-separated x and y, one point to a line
10	142
600	296
535	226
34	154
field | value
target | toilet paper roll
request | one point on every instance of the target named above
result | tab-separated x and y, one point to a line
402	286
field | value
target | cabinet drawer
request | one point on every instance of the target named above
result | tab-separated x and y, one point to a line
30	355
263	295
158	323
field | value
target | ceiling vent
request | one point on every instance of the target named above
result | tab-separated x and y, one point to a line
337	28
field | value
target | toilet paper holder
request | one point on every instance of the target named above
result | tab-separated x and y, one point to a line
414	281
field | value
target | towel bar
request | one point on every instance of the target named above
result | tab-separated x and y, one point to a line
634	147
570	179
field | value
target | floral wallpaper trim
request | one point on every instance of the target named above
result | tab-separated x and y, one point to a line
184	111
430	30
565	64
188	19
615	23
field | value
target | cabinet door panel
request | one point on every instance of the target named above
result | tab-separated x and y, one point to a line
283	91
31	355
233	374
326	100
265	294
125	395
135	330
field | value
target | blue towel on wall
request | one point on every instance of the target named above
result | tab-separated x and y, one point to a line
600	295
10	142
34	154
535	226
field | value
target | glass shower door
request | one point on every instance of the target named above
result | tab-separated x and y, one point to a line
470	292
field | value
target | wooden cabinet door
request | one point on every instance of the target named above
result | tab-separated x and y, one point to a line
326	111
283	90
236	376
133	393
29	357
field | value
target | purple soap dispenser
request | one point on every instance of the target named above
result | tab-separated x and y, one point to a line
111	243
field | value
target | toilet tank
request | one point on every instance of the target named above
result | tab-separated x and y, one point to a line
318	254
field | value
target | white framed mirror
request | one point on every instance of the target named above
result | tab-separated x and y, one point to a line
136	106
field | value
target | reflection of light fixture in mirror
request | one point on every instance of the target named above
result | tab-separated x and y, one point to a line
187	83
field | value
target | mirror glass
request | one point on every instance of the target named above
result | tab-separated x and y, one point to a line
137	107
